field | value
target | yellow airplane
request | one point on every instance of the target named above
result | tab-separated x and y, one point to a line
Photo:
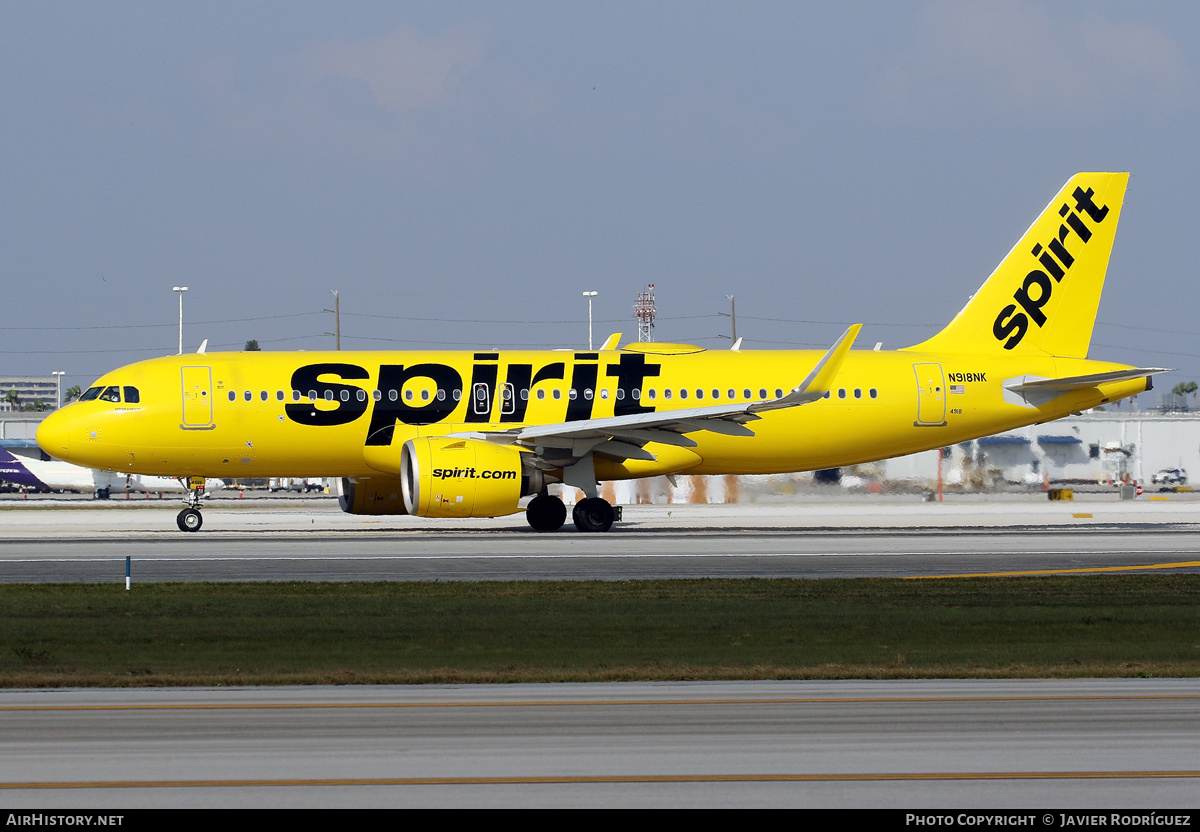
469	434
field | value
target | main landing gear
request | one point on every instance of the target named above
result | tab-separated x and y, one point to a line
593	514
190	520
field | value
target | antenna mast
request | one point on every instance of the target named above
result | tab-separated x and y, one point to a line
643	310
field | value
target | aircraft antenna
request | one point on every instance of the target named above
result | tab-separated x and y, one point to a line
643	310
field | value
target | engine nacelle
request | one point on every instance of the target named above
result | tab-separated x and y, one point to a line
445	477
371	495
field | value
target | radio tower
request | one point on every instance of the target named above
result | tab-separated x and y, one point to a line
643	310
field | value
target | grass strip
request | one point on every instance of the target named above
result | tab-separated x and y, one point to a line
525	631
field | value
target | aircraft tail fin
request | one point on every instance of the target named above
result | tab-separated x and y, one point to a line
14	471
1043	297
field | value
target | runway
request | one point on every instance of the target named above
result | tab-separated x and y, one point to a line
909	744
311	540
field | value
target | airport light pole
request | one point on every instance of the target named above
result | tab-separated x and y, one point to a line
589	296
180	290
58	374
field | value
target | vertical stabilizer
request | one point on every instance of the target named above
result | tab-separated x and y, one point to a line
1043	296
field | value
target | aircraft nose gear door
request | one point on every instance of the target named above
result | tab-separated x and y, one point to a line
931	395
197	398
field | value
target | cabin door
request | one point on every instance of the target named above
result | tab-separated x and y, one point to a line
197	398
931	394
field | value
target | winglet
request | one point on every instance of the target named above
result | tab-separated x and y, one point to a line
612	342
203	347
820	379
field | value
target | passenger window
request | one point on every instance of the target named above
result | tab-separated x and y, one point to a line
248	396
637	394
424	395
874	393
232	396
89	394
524	395
746	394
377	394
826	396
295	395
683	393
541	394
652	393
393	395
441	396
132	396
778	393
841	393
857	393
457	394
762	394
345	395
361	395
572	394
478	394
587	394
620	394
312	395
328	395
263	395
278	395
604	394
558	394
667	393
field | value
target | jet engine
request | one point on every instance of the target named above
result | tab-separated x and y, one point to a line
445	477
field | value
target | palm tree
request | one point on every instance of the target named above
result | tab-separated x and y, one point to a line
71	394
252	346
13	399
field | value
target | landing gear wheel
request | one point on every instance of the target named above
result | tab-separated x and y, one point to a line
546	513
102	493
593	515
189	520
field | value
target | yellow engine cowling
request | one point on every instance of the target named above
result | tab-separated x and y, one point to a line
445	477
371	495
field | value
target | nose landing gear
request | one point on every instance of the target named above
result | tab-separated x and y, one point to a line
190	520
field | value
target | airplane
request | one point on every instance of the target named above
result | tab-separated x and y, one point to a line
55	475
470	434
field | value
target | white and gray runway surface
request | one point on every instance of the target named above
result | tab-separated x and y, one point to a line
1092	744
868	536
1061	744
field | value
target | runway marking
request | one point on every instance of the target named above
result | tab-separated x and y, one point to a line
606	556
619	778
283	706
1191	564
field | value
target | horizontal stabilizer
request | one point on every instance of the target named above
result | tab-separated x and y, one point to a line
1064	385
1035	391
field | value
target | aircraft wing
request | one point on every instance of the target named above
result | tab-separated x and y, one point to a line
623	437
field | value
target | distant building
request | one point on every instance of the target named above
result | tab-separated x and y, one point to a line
29	389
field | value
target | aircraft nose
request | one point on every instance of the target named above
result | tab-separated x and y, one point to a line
53	435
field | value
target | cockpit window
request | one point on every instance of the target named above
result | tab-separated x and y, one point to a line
111	394
132	396
90	393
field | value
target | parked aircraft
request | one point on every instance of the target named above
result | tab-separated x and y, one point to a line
469	434
56	475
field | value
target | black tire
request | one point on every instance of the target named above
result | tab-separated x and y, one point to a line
102	493
545	513
189	520
593	515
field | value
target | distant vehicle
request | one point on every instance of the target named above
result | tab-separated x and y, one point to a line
297	484
1170	476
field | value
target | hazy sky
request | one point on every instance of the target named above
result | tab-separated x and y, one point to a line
461	172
